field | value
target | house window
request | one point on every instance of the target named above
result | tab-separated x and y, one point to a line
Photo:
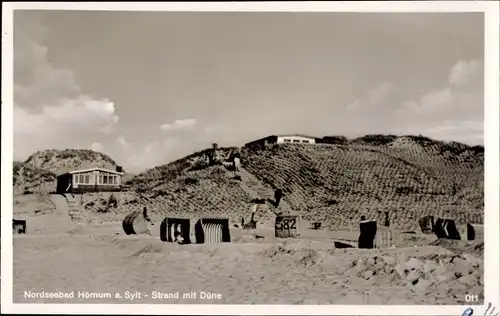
100	179
87	179
105	179
296	141
80	180
112	180
287	141
305	141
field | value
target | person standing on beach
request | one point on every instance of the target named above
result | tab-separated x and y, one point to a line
278	194
145	215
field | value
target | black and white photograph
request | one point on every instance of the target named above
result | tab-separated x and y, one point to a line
251	158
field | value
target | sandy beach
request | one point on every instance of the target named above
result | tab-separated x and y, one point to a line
87	259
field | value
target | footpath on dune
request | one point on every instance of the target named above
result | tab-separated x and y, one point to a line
63	221
213	191
43	213
332	184
51	214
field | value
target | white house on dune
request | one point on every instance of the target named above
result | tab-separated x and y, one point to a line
282	139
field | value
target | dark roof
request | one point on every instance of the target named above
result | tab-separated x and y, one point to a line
299	135
281	135
91	169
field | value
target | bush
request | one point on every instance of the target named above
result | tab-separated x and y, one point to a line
198	165
340	140
102	210
375	139
191	181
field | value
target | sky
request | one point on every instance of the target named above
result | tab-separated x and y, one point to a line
147	88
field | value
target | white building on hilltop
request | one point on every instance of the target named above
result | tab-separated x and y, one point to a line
282	139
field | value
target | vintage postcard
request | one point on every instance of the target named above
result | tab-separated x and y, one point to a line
271	158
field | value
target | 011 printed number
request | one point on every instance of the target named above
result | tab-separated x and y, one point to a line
471	298
286	224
